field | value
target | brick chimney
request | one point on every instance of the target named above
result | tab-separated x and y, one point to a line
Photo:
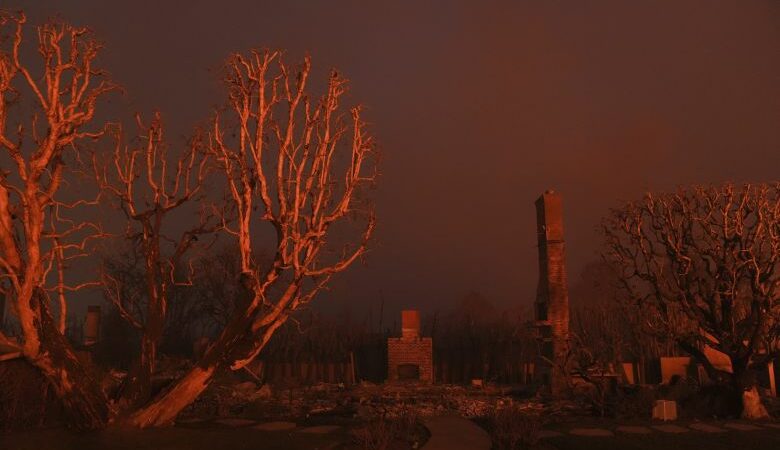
92	325
552	296
410	324
410	357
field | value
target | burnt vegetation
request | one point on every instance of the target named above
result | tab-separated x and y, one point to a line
291	166
215	248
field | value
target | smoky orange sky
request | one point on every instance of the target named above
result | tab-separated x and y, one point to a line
479	107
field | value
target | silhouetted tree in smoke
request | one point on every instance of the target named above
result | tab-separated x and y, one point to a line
702	266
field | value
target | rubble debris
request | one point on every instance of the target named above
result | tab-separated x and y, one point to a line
246	388
263	393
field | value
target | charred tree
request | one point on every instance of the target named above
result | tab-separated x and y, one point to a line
297	165
150	186
702	266
61	90
292	165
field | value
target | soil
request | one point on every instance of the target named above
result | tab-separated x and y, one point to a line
764	439
176	438
195	437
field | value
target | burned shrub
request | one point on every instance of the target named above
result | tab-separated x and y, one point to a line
375	435
382	432
709	401
514	427
635	402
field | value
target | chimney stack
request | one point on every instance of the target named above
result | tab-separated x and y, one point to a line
410	324
92	325
552	295
410	357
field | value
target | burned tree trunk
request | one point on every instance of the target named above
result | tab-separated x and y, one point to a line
287	163
76	387
702	264
35	232
138	384
164	409
149	193
2	309
295	164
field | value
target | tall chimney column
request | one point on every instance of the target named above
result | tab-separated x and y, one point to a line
552	297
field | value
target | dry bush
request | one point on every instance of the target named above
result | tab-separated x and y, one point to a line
380	433
375	435
406	424
635	402
514	428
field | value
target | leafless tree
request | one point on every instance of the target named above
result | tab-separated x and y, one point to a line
298	165
60	92
604	310
198	306
597	346
701	264
150	186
